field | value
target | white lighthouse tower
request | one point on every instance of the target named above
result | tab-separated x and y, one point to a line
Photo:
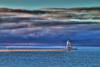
68	46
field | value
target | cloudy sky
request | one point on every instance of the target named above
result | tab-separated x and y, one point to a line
36	4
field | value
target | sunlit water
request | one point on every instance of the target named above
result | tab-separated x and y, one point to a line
83	57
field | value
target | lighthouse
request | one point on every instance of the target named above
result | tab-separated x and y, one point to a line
68	45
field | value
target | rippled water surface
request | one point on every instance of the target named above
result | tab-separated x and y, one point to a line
83	57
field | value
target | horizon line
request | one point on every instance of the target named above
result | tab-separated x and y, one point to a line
52	7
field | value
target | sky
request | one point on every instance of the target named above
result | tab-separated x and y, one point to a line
37	4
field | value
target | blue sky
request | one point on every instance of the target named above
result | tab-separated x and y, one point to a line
36	4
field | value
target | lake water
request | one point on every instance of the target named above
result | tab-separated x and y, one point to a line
83	57
28	32
17	31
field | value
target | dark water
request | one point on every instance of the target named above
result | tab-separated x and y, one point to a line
17	31
79	34
84	57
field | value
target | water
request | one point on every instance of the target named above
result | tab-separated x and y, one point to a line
17	31
83	57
